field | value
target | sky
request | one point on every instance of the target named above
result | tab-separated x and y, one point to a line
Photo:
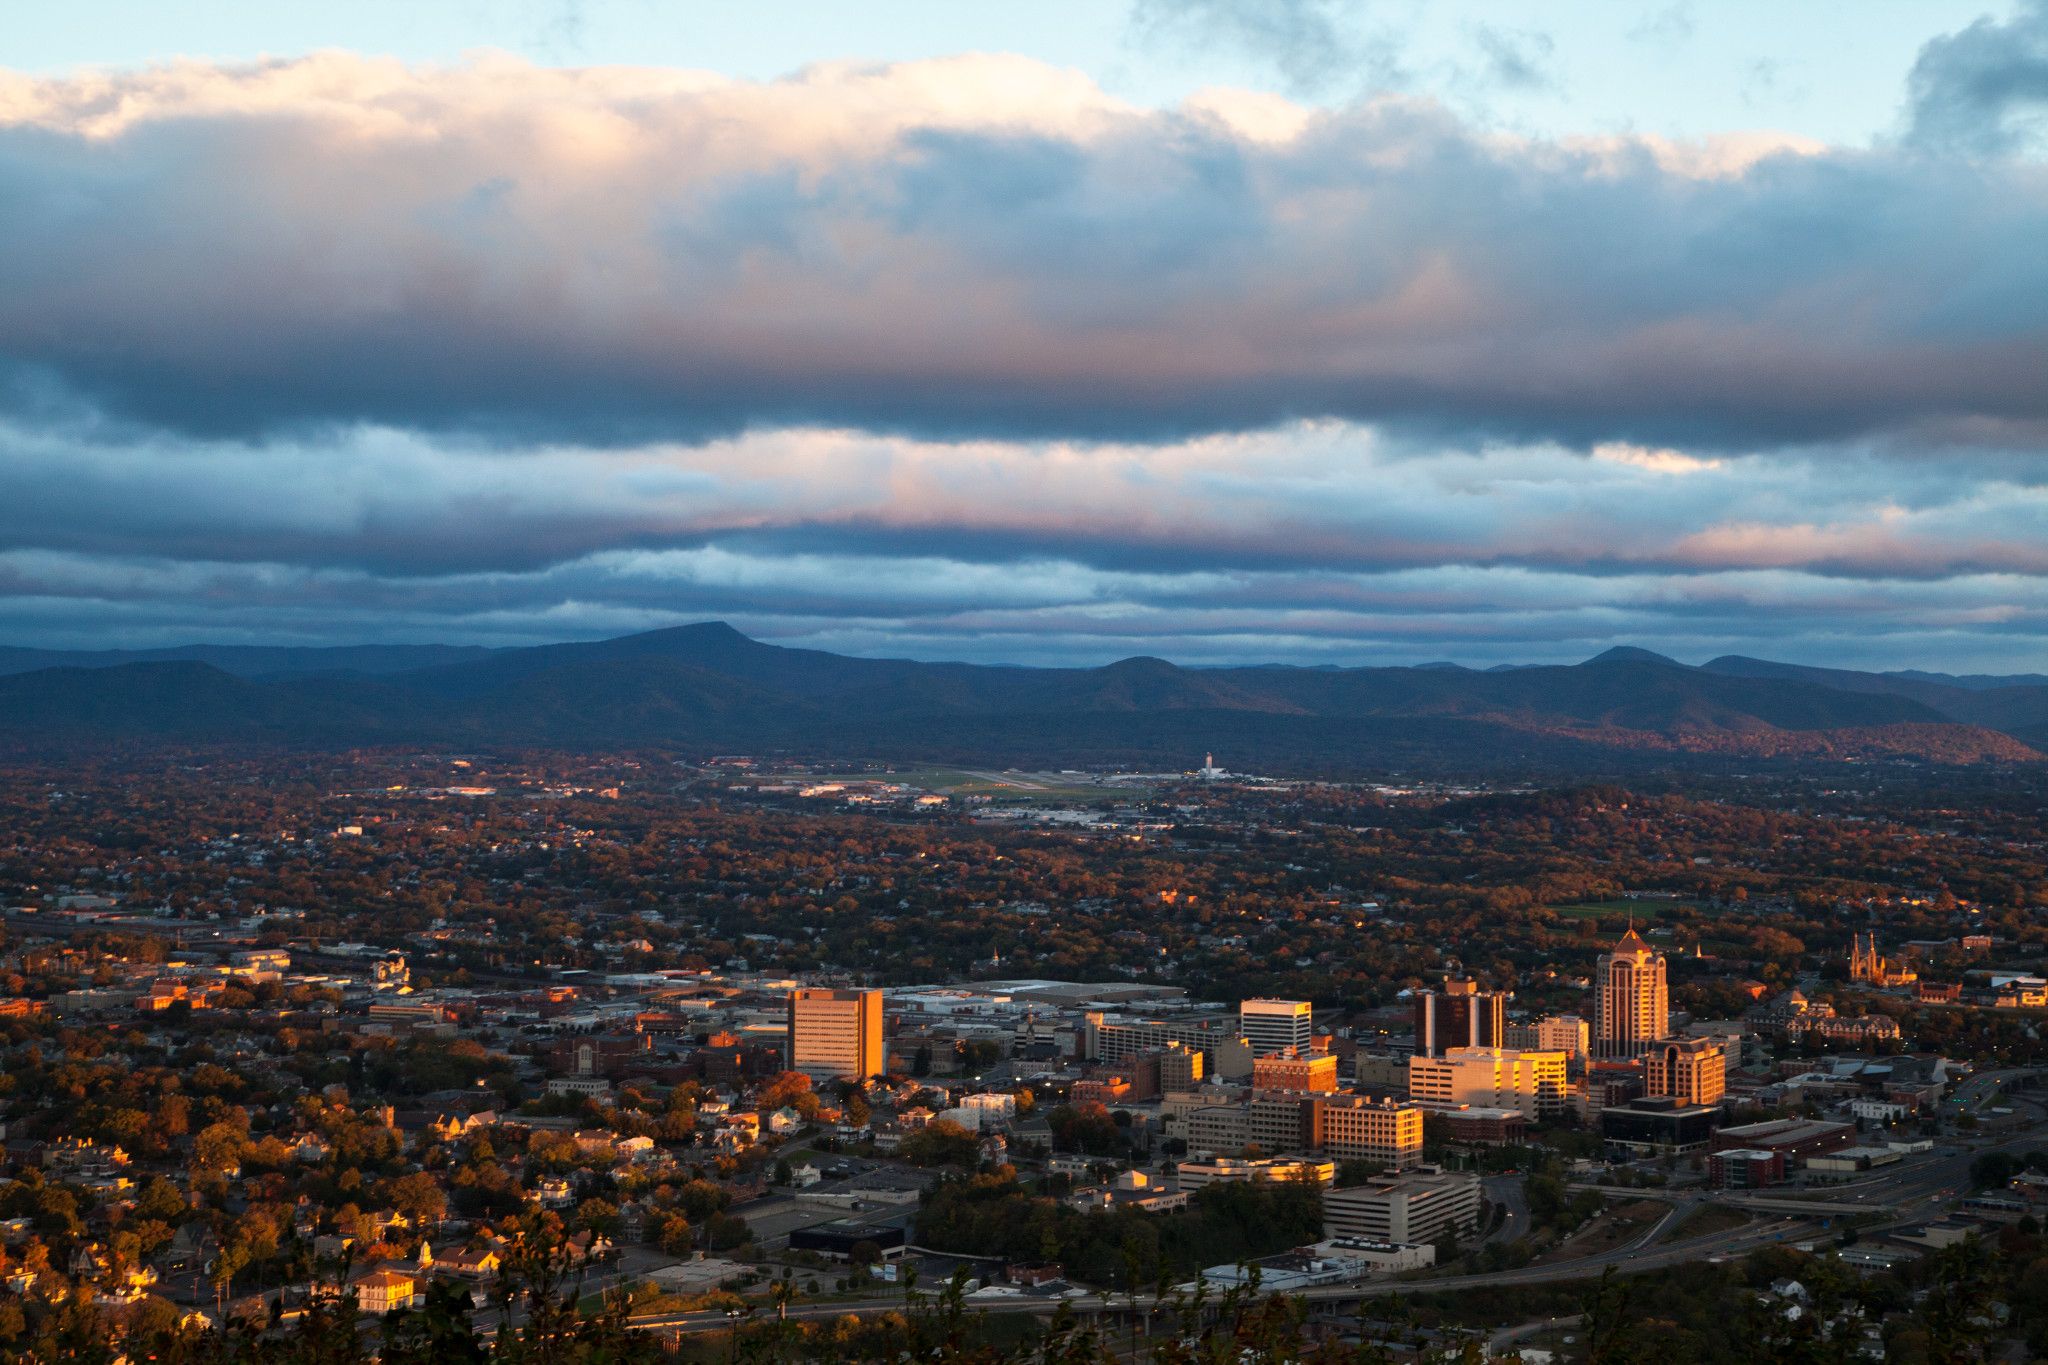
1312	331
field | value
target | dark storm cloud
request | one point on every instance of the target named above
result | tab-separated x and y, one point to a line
521	254
967	359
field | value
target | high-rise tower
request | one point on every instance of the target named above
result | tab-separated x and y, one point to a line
1460	1015
835	1035
1272	1026
1632	1003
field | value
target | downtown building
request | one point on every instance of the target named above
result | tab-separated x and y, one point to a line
1354	1128
1460	1015
836	1035
1566	1033
1631	1000
1120	1040
1268	1123
1195	1175
1313	1071
1272	1026
1532	1084
1689	1070
1415	1206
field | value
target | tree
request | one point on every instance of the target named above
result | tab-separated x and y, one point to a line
724	1232
1085	1128
218	1148
853	1101
1610	1335
228	1262
677	1237
438	1330
942	1143
419	1197
1993	1170
785	1090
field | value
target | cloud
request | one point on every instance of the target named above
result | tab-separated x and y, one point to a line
976	246
1319	541
969	359
1983	90
1518	59
1668	28
1313	496
1313	45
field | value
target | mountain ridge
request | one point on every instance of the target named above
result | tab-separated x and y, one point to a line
710	685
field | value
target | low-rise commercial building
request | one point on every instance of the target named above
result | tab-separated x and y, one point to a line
1195	1175
1531	1083
1566	1033
1118	1039
1797	1139
1377	1258
838	1240
1354	1128
1658	1124
1744	1168
1850	1161
1483	1127
1415	1206
1290	1070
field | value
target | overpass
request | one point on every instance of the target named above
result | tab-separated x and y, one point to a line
1627	1260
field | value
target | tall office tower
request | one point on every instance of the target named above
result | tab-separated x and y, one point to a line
1460	1015
1275	1025
1632	1004
836	1035
1689	1070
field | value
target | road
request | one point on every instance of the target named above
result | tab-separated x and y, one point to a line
1631	1259
1907	1192
1507	1191
1500	1341
1908	1187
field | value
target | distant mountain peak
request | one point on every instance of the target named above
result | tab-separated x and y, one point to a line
697	630
1142	663
1630	654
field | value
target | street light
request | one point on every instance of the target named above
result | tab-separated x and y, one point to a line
732	1340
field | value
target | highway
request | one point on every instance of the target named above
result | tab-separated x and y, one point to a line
1506	1192
1630	1259
1907	1192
